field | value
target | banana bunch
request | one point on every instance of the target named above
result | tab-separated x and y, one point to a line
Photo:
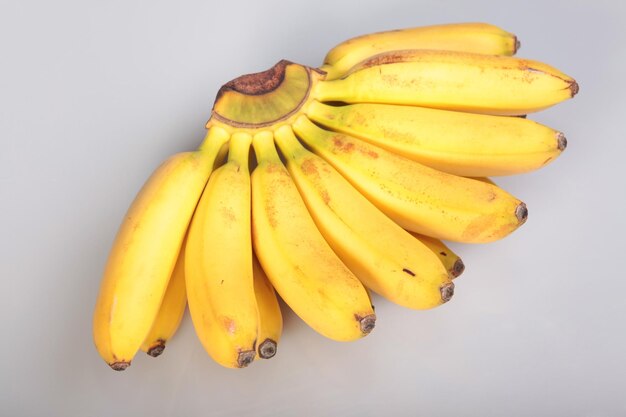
321	184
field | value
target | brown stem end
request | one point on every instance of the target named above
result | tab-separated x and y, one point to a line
157	349
447	291
521	212
573	88
457	268
267	349
561	141
119	366
367	323
245	358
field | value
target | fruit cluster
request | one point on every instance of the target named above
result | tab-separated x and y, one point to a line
359	168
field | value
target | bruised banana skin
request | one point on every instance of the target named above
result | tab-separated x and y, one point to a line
171	311
301	266
145	251
465	144
270	316
479	38
218	262
418	198
386	258
451	80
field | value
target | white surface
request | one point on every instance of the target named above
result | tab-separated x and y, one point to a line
93	95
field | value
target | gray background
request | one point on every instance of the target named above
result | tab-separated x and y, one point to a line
93	95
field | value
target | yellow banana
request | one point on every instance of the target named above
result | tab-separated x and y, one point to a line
270	316
381	254
145	251
218	262
451	80
418	198
171	311
479	38
459	143
301	266
450	260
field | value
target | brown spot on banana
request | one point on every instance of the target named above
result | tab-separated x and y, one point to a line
341	145
383	59
229	325
308	167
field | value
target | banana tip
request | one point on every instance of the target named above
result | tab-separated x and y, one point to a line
561	141
457	268
157	349
521	212
367	323
573	88
447	291
119	366
267	349
245	358
517	45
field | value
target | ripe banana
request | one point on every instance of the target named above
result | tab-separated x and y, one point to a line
451	80
450	260
399	132
171	311
301	266
459	143
145	251
418	198
480	38
218	262
270	316
381	254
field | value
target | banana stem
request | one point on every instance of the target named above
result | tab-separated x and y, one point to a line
239	149
288	143
214	139
264	149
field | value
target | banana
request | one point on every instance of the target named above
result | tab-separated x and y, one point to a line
418	198
145	250
382	255
218	262
451	261
270	316
479	38
301	266
459	143
171	311
451	80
